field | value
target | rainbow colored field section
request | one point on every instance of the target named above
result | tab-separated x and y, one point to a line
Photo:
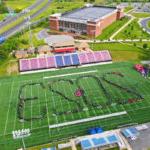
67	102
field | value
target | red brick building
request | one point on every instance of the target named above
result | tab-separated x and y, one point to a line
90	20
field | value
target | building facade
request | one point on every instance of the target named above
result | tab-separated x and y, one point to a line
87	20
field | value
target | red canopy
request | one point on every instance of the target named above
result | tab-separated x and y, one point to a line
66	49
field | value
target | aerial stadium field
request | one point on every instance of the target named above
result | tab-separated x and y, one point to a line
65	103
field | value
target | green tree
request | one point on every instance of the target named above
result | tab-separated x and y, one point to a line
145	45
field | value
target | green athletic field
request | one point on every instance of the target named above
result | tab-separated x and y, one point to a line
43	99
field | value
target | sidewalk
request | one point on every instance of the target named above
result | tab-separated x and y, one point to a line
124	26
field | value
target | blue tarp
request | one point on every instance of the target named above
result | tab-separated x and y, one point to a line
92	131
99	130
95	130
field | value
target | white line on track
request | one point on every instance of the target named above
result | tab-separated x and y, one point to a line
87	120
70	74
10	99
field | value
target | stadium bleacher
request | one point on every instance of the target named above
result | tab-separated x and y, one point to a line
105	55
98	57
75	59
90	57
50	148
94	57
98	142
83	58
130	132
42	63
51	62
34	64
64	60
67	60
24	65
59	61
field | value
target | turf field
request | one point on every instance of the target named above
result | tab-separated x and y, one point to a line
43	101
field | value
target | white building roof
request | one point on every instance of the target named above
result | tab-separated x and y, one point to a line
59	40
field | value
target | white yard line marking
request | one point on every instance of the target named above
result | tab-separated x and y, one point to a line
54	104
87	120
16	113
39	101
70	74
25	93
31	105
47	111
11	93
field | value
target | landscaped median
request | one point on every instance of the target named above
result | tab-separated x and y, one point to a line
60	7
148	24
141	15
18	5
21	19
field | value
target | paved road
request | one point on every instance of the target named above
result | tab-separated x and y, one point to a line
144	24
13	18
143	141
23	24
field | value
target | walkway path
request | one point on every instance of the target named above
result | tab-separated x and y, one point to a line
144	24
113	41
124	26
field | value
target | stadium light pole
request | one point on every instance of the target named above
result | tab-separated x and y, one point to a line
30	32
93	33
24	146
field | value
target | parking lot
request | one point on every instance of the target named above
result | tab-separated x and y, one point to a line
143	140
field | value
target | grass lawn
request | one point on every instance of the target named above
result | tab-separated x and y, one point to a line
141	15
132	31
52	100
106	33
128	8
148	24
60	7
26	36
121	52
19	5
2	16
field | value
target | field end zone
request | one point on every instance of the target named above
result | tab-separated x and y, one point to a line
87	120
